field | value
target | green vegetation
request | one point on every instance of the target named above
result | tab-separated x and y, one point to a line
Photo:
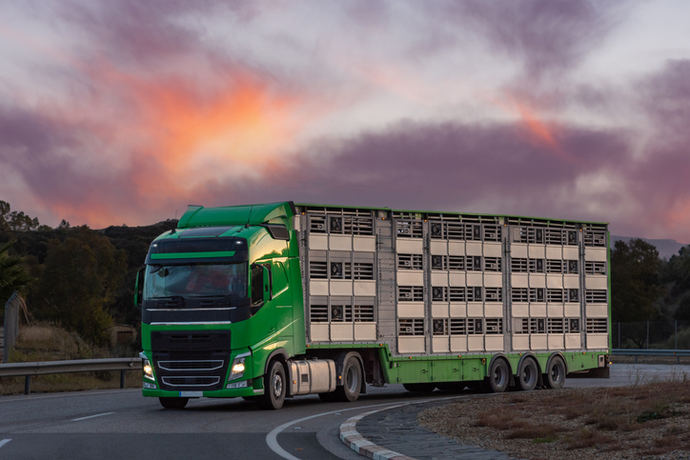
75	277
647	288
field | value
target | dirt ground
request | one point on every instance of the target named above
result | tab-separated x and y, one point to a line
645	421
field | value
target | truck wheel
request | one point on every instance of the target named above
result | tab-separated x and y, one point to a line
555	373
528	375
352	379
275	387
420	387
173	403
499	376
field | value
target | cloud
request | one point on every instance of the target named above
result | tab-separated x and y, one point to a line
660	182
547	35
149	32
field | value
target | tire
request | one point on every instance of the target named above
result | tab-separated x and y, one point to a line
275	387
528	375
555	373
424	388
499	376
173	403
352	379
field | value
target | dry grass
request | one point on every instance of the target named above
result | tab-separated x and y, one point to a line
639	421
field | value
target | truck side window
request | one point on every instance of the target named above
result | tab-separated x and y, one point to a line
257	284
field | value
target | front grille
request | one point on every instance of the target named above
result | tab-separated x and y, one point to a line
191	365
191	381
191	360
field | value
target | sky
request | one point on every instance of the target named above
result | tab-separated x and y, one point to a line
126	111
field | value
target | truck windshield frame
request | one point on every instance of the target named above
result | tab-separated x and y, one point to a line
196	280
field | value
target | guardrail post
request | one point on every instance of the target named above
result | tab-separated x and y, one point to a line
122	378
27	384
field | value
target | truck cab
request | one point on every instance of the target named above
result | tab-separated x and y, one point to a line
221	298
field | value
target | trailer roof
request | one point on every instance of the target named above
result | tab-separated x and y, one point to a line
455	213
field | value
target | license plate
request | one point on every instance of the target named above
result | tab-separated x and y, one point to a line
191	394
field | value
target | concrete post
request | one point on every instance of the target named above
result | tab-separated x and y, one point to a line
11	327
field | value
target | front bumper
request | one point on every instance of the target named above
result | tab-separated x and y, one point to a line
240	385
227	393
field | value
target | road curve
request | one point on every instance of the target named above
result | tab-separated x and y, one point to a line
118	424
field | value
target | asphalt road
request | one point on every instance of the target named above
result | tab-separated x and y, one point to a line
116	424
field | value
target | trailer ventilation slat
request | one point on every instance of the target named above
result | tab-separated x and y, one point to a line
410	261
596	296
595	268
597	325
410	294
458	326
411	326
318	313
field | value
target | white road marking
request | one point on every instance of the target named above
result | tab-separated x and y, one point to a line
91	416
272	436
4	441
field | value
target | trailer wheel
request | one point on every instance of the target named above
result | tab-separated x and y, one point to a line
173	403
555	373
499	376
420	387
275	387
528	375
352	379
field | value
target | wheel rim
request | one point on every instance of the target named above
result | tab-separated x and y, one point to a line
556	372
499	376
528	374
277	385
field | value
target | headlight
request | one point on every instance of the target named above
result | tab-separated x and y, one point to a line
237	369
146	367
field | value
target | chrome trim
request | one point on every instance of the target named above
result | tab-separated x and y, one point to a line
243	355
164	379
187	369
182	323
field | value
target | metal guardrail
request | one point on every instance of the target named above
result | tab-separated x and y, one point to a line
650	352
27	370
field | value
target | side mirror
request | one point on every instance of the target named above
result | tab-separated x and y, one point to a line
138	288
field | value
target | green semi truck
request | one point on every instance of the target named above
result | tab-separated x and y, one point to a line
277	300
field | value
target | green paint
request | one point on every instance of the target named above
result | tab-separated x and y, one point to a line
191	255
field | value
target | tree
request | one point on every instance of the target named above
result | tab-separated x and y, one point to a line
81	277
16	220
635	283
13	275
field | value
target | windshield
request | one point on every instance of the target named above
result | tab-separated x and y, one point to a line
195	280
